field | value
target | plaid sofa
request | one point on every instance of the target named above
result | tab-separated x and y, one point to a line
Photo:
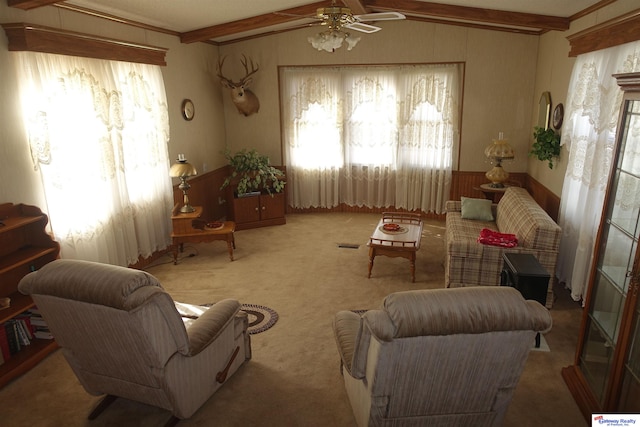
469	263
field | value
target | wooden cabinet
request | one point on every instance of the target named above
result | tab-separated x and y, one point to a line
258	211
605	376
25	246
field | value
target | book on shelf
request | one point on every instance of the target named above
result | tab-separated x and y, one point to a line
35	318
12	336
23	336
43	334
25	321
37	321
37	324
4	343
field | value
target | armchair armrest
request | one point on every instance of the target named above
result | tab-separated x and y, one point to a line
347	326
206	328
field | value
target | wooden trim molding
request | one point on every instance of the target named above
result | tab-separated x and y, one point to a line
251	23
617	31
429	9
29	4
591	9
38	38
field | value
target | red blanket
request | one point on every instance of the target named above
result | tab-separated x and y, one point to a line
494	238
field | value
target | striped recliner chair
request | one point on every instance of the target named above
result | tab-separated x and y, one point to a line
440	357
124	336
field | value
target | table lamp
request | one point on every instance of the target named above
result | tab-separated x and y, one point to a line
183	170
496	152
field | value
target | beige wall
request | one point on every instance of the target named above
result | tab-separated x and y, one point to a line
190	73
499	81
553	74
504	76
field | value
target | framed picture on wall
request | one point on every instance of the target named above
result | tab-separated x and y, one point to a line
558	115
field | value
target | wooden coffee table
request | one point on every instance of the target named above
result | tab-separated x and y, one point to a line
403	242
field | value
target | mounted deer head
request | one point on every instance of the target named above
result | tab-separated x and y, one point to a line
245	101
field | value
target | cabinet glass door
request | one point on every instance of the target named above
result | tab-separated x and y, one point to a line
630	394
615	263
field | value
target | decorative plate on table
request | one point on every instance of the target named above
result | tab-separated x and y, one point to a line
215	225
392	228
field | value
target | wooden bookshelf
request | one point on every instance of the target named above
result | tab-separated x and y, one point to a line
25	246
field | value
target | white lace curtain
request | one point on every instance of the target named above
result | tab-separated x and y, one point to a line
98	133
374	136
589	132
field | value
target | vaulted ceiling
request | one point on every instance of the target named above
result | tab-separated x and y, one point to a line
223	21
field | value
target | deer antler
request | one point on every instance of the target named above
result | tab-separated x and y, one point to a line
223	78
254	68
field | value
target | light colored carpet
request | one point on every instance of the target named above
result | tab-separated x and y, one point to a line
293	379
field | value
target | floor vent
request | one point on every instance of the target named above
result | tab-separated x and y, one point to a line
348	245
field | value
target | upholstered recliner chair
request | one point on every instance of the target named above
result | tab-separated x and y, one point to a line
441	357
124	336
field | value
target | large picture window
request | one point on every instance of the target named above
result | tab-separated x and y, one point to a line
375	136
98	133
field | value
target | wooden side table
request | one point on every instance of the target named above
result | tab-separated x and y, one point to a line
492	193
184	232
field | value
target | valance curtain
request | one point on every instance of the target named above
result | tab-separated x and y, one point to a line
589	132
374	136
98	133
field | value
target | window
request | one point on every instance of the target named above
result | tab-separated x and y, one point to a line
98	133
375	136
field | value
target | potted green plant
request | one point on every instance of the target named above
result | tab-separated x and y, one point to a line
546	145
253	173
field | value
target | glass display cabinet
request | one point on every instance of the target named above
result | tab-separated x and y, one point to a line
605	376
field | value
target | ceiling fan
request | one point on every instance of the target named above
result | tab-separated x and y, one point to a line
337	18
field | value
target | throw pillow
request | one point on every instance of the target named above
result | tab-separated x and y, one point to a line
479	209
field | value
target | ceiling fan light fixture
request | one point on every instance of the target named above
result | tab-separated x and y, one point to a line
332	39
336	18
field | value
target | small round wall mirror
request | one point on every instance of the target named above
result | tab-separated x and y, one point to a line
544	110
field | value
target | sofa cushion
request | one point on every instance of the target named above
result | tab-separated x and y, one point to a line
462	235
477	209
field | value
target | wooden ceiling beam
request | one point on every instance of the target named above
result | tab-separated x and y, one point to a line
356	6
30	4
438	10
253	23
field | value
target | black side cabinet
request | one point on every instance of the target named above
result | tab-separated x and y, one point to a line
524	272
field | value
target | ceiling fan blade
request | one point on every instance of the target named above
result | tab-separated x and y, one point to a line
382	16
364	28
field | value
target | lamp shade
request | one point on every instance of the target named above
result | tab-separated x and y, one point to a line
182	169
500	149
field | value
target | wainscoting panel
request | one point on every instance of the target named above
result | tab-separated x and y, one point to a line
545	198
205	191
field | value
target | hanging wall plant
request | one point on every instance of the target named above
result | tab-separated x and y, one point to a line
546	145
252	172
